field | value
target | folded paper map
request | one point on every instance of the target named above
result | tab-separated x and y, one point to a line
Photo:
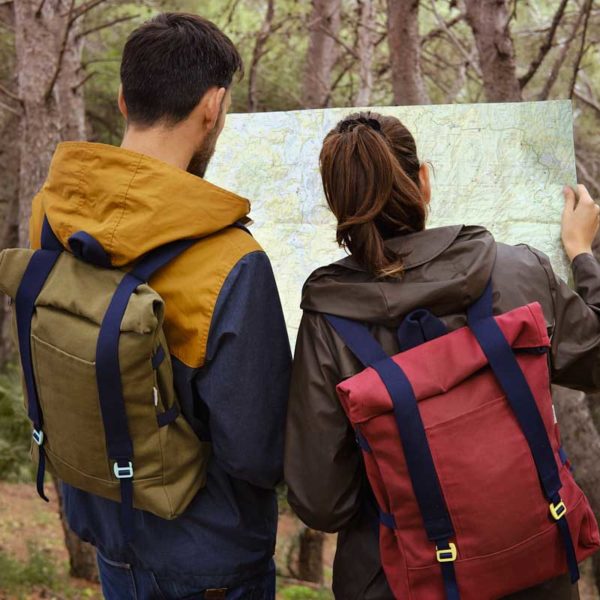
498	165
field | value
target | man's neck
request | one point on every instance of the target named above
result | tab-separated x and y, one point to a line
166	145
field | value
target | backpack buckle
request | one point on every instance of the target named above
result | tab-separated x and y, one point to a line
558	511
446	554
38	436
123	472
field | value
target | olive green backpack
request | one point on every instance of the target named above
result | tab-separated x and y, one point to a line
98	378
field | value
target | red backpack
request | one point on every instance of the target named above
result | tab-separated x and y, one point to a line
462	452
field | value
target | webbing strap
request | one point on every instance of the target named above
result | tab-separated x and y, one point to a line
417	453
418	327
154	260
39	268
108	372
49	239
419	460
450	583
506	368
358	339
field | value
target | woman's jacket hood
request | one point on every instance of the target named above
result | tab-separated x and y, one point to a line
454	265
129	202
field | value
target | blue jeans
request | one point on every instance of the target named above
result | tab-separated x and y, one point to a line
123	582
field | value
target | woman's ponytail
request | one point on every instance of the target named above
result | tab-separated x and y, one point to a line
369	190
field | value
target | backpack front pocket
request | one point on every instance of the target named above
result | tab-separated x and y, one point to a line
68	397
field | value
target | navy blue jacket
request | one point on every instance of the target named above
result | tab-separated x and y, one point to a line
238	401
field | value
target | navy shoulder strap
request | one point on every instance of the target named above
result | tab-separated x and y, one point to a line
417	453
358	339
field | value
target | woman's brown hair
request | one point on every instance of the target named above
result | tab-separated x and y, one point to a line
370	173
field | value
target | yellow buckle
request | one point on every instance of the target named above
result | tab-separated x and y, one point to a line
447	554
558	511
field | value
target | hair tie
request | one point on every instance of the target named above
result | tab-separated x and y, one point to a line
350	124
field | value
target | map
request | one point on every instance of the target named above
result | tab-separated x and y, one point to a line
498	165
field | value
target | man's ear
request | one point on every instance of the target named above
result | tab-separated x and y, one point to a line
211	105
425	182
121	102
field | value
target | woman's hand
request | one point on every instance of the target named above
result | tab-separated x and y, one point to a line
580	221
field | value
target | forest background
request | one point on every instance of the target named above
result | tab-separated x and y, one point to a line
59	75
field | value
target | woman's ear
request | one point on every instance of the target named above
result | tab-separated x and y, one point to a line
425	182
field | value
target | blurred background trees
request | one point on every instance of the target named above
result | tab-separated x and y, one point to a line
59	66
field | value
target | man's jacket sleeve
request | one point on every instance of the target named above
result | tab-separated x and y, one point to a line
244	383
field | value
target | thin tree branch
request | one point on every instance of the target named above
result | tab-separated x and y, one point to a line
38	11
588	179
455	40
438	31
230	12
10	109
588	101
545	47
561	57
258	52
339	41
83	9
582	49
61	52
10	94
105	25
84	81
7	26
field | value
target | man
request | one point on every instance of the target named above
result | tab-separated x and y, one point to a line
224	323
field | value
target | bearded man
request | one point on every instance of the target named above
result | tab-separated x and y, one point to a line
223	319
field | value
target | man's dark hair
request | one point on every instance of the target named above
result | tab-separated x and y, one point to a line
170	62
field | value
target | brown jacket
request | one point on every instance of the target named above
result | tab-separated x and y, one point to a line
446	270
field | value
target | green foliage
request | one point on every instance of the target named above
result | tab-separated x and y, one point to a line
39	570
15	429
300	592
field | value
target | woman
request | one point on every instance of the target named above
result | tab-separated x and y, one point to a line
379	192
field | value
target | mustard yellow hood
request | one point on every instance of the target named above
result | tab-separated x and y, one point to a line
129	202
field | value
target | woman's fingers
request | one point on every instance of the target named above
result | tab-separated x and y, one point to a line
580	221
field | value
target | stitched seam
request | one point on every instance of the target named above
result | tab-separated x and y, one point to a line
110	245
87	475
510	548
214	295
79	192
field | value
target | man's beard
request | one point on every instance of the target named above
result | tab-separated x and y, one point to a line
201	158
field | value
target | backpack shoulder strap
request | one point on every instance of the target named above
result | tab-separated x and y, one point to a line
513	382
49	239
359	340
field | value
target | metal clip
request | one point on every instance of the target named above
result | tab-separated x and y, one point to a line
123	472
38	437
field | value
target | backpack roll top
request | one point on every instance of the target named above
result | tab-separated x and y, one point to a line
99	377
469	504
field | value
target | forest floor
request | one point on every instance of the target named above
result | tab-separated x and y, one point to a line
34	560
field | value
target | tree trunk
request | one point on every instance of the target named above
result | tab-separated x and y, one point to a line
324	27
581	441
310	557
82	556
9	229
48	74
489	20
405	52
48	65
365	49
258	52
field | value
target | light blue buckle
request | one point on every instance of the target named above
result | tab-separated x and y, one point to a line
38	436
123	472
